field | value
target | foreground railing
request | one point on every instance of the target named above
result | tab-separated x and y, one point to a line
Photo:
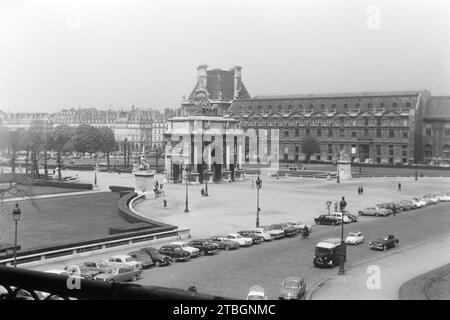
26	284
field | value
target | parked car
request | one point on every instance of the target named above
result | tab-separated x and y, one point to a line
158	258
443	197
384	242
300	225
82	271
261	232
344	218
120	274
392	206
275	233
224	243
292	288
288	230
355	237
256	293
427	200
243	241
328	219
432	197
419	202
98	267
116	261
250	234
142	257
374	211
194	252
407	205
205	246
175	253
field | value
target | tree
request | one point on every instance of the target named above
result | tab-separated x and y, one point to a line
15	143
157	154
309	146
86	139
62	141
107	142
36	142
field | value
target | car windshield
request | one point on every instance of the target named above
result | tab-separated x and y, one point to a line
129	259
384	237
290	284
322	251
352	234
110	270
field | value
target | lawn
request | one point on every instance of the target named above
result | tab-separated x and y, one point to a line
61	220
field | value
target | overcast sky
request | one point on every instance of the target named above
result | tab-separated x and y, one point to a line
58	54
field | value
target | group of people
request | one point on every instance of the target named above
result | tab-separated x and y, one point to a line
360	190
158	189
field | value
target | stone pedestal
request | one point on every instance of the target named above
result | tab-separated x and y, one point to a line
239	175
194	178
227	175
209	175
144	181
344	170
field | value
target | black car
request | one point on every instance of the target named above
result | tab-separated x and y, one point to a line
327	219
205	246
158	258
384	242
251	234
289	231
175	253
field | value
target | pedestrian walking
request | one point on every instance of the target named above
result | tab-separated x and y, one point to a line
252	186
342	204
165	203
202	192
399	187
362	190
359	190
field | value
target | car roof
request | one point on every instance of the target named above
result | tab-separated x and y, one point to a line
120	256
298	279
178	242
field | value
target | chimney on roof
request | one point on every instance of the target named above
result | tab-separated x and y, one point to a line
237	81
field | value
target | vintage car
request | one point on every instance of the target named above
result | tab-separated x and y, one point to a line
256	293
443	197
288	230
407	205
354	237
243	241
390	206
82	271
261	232
275	233
328	219
194	252
224	243
431	197
119	260
205	246
327	253
98	267
374	211
251	234
142	257
120	274
384	242
175	253
292	288
342	216
299	225
157	258
419	202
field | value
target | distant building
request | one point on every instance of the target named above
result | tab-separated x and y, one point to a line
436	130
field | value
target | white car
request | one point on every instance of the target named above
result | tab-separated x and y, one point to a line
261	232
443	197
354	237
117	261
339	215
256	293
275	233
300	225
419	202
432	197
243	241
194	252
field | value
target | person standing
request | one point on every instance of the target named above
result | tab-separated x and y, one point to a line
336	206
362	190
399	188
342	204
359	190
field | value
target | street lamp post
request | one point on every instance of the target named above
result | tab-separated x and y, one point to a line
186	209
415	164
258	209
16	217
343	249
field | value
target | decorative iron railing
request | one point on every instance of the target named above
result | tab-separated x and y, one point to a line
23	284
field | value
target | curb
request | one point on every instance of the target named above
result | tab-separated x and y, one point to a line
316	286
